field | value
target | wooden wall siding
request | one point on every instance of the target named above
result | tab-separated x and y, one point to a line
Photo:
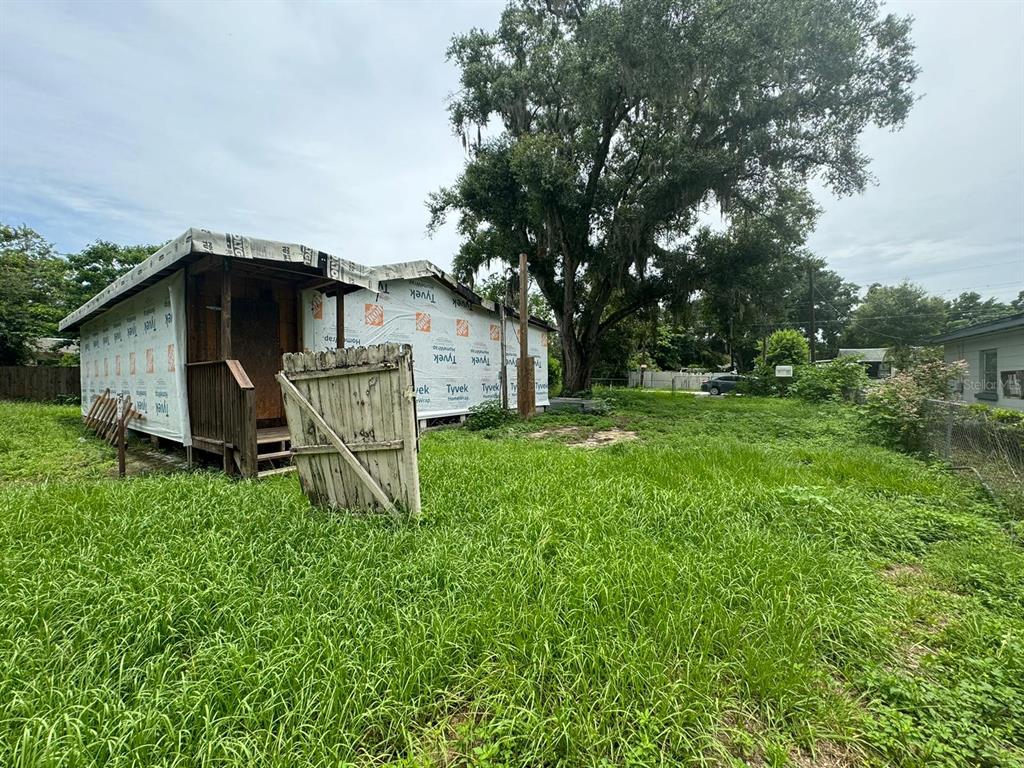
352	419
42	383
264	325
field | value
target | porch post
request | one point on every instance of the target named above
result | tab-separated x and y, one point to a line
225	311
339	320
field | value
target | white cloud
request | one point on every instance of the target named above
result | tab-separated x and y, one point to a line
326	124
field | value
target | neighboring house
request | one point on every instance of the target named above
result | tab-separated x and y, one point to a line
875	360
994	353
47	350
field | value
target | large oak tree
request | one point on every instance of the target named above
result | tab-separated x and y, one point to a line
609	124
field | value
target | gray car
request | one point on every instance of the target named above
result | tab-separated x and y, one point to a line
724	382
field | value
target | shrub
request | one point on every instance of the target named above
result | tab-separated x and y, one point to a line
488	415
837	379
895	408
786	347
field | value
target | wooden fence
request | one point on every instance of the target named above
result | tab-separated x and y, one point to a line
352	417
44	383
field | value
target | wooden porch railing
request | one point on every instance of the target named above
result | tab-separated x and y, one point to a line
222	409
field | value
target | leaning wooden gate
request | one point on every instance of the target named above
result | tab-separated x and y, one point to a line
352	418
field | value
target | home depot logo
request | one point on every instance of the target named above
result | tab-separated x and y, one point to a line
150	365
543	339
117	365
131	363
423	322
495	333
170	358
317	305
374	314
462	328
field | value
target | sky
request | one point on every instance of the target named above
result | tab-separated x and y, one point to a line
326	124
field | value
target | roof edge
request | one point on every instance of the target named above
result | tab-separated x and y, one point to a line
1007	323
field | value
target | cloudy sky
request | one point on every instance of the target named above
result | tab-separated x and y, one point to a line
325	124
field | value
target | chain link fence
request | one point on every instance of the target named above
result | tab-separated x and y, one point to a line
973	441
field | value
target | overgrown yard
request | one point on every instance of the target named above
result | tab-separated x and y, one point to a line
746	582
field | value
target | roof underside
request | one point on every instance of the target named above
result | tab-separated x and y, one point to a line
197	243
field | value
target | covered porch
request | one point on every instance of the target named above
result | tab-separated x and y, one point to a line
242	316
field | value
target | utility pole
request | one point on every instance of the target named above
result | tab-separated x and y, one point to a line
526	397
813	335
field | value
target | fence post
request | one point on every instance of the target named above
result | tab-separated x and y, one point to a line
949	432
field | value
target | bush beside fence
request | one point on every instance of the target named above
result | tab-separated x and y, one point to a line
43	383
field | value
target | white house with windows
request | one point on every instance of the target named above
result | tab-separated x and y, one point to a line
994	352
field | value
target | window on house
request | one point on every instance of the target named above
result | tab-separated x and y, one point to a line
989	372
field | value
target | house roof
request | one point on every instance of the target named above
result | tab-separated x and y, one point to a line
1008	323
867	354
194	244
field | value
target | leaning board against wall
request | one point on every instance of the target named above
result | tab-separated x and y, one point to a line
456	345
137	349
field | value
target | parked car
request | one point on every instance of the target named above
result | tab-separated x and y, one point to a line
722	383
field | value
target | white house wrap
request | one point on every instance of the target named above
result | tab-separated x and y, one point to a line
137	349
456	343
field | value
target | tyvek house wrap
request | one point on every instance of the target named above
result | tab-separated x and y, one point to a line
456	345
137	349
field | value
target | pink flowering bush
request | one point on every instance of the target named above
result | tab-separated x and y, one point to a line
895	408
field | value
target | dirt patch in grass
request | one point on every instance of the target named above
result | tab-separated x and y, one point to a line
903	572
581	437
827	754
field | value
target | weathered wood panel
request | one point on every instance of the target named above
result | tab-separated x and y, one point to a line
43	383
352	418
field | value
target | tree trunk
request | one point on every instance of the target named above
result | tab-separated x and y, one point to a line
577	365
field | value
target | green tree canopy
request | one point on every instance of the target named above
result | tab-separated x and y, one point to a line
895	316
969	308
618	120
32	299
98	265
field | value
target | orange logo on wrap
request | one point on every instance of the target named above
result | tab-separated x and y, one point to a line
170	358
150	366
495	333
543	339
423	322
374	314
318	306
117	365
131	363
462	327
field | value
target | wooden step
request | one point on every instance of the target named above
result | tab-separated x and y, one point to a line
278	471
275	455
272	435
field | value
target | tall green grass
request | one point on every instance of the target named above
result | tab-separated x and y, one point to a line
711	594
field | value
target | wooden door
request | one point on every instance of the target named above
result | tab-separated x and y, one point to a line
256	344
